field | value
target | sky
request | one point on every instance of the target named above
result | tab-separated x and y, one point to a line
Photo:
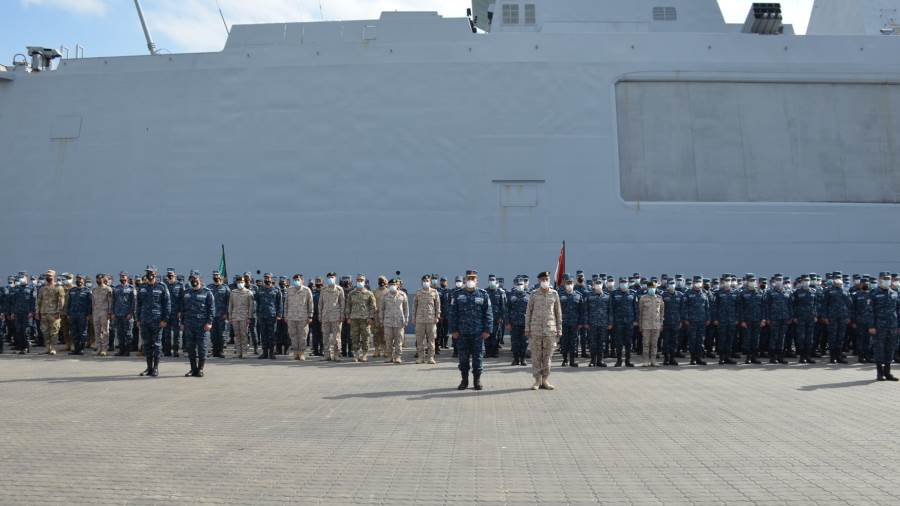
111	27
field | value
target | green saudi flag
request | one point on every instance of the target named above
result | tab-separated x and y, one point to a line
223	268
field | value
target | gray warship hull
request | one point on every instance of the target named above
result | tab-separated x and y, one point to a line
358	147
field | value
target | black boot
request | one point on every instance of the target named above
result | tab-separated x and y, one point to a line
565	361
265	353
781	359
628	359
700	360
618	358
810	359
200	364
672	361
477	378
464	384
879	372
841	359
272	354
515	360
193	371
572	357
149	368
887	373
754	359
600	357
155	362
693	359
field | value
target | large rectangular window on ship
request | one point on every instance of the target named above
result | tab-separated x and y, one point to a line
759	142
510	14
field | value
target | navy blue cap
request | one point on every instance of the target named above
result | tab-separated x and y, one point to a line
458	278
268	274
567	277
194	273
151	268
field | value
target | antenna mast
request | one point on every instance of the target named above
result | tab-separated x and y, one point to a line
150	45
222	15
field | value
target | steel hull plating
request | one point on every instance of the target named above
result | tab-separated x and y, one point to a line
486	152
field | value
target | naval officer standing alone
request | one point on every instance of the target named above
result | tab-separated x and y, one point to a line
471	321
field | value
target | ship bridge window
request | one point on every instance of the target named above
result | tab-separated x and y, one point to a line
530	14
510	14
665	14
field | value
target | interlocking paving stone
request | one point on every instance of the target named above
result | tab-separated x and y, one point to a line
90	430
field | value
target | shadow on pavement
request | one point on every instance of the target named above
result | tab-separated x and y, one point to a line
421	395
846	384
87	379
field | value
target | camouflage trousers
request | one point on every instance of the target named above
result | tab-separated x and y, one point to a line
651	339
66	333
425	335
50	325
241	329
541	353
380	348
332	334
360	333
101	331
298	330
395	337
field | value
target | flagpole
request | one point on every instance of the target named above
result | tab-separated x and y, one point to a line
224	265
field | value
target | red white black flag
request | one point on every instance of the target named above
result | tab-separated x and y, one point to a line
561	265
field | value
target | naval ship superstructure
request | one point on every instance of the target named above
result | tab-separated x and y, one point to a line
650	135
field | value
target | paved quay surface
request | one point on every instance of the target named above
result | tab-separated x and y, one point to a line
90	431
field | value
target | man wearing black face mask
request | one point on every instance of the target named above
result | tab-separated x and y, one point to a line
221	293
154	306
315	327
198	313
78	307
381	348
268	312
862	319
172	334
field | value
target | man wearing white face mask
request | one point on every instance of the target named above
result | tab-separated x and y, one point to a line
885	306
471	322
543	326
426	314
331	314
394	315
298	311
360	314
241	308
651	308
